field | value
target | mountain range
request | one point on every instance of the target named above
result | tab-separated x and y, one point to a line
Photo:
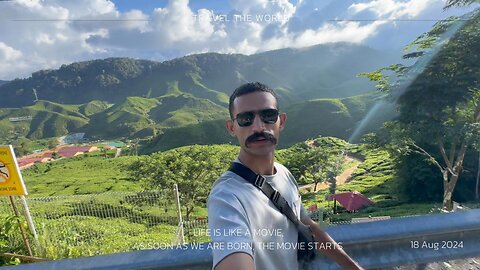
338	117
123	97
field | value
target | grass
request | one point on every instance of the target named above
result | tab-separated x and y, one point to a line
132	117
400	210
43	143
351	164
89	236
374	178
49	119
80	175
86	226
193	134
136	115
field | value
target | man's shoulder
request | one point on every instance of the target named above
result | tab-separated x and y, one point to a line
281	167
284	170
229	182
231	189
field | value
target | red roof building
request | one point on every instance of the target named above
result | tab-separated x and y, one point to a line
71	151
351	201
45	156
24	163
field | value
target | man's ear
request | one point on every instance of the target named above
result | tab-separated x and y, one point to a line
229	125
283	120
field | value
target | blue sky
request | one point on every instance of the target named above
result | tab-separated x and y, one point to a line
44	34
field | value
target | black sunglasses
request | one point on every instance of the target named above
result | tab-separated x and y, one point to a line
268	116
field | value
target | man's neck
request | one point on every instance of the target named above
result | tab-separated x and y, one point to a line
259	164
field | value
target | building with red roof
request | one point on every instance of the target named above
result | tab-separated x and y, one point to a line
71	151
46	156
24	163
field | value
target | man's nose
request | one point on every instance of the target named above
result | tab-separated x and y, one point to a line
258	124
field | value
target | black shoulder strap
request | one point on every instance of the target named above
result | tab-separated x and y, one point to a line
259	181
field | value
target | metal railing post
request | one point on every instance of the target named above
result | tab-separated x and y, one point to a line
179	214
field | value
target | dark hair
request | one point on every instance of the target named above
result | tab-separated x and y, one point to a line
247	89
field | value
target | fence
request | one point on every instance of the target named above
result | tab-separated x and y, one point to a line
113	222
86	225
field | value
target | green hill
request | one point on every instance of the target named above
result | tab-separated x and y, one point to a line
321	71
48	119
122	97
140	117
93	107
134	117
182	119
122	120
333	117
325	117
185	109
209	132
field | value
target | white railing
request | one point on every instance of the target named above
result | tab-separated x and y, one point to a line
386	243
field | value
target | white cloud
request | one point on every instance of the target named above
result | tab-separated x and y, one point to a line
343	31
135	19
45	39
8	53
279	8
43	35
39	34
176	22
9	57
393	9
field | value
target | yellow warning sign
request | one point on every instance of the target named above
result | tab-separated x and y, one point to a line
11	181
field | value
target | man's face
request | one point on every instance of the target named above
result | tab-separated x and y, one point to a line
259	138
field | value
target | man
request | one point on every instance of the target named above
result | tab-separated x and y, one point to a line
250	232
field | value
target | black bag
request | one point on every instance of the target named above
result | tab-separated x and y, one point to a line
306	247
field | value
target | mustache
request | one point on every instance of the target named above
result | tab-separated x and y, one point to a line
266	135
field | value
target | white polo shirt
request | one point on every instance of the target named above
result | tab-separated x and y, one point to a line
242	219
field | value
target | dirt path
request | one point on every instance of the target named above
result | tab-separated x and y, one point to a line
341	179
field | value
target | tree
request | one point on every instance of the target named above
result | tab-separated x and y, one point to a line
451	3
52	143
192	168
333	183
335	169
104	152
438	98
314	162
22	146
296	160
306	163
